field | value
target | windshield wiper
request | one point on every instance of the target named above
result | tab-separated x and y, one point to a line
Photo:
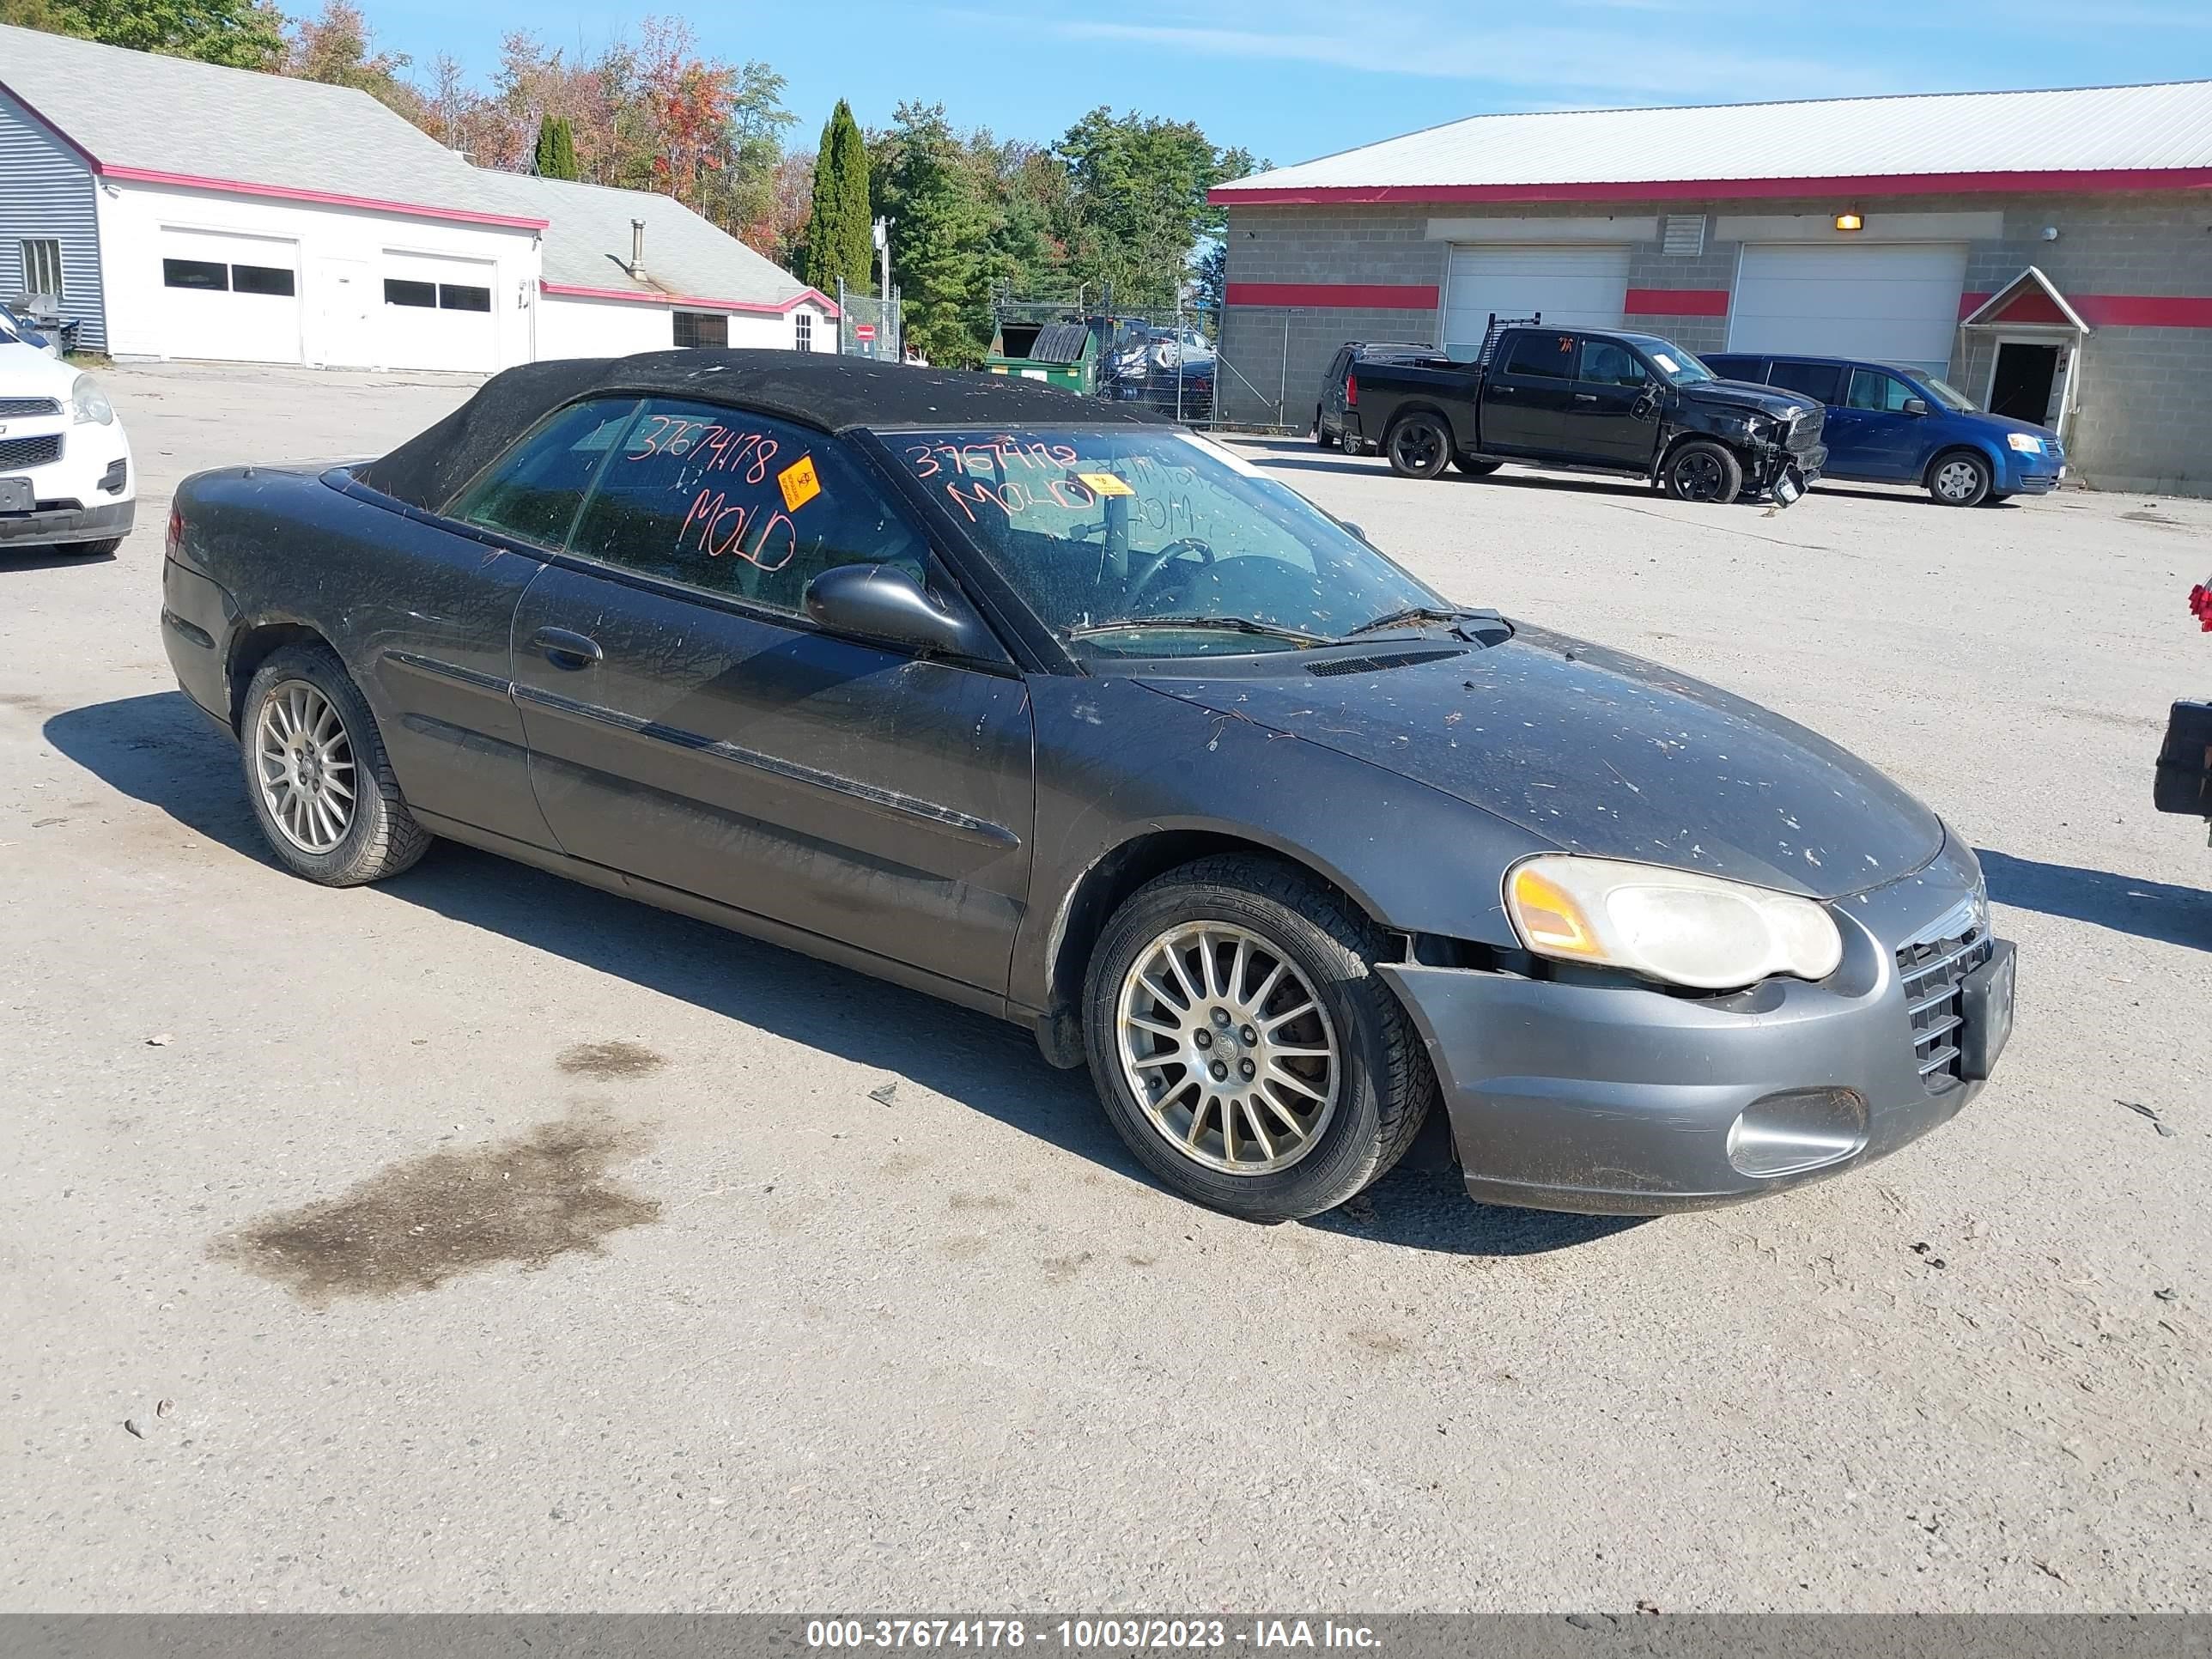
1231	625
1411	613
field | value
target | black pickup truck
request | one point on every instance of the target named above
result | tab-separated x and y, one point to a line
1586	400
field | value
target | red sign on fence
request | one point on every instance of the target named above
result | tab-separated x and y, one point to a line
864	331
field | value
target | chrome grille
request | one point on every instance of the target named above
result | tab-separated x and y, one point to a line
30	452
1805	434
18	408
1934	967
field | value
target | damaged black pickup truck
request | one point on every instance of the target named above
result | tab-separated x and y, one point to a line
1585	400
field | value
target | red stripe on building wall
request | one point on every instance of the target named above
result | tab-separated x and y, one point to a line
2103	181
1364	296
1676	302
2103	310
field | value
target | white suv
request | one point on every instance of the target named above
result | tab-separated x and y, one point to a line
66	479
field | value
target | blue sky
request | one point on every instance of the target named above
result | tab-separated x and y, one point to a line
1292	79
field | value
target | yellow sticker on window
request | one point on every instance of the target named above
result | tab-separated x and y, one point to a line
1105	484
798	484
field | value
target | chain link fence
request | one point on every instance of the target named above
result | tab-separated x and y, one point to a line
1272	359
866	327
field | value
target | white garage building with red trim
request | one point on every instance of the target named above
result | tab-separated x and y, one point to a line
1902	229
171	209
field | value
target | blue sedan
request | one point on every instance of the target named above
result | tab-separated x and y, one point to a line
1888	424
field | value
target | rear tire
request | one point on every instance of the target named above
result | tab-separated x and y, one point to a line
317	776
1958	477
1704	472
1476	466
1259	947
103	550
1419	447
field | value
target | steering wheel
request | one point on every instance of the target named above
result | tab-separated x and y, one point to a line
1150	572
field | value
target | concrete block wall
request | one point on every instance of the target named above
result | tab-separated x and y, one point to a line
2143	403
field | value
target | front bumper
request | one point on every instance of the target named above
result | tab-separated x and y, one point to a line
58	526
1613	1099
87	493
2033	475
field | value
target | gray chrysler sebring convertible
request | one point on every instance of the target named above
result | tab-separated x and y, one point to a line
1062	713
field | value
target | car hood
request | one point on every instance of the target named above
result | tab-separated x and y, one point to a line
1741	394
1988	423
1599	753
27	372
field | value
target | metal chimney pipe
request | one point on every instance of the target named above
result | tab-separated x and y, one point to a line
637	247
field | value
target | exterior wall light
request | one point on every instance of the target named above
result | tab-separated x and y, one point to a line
1850	221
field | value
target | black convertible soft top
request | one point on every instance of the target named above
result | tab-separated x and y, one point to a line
819	388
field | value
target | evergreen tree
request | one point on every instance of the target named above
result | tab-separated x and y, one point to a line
556	154
940	224
837	240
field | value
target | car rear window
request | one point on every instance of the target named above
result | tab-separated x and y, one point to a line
1546	356
1822	382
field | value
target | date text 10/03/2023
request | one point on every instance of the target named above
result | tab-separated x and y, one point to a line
1085	1635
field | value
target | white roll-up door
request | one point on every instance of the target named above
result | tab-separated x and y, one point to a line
1572	287
232	298
439	313
1892	302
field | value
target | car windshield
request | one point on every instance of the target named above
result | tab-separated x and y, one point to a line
1949	395
1678	365
1147	541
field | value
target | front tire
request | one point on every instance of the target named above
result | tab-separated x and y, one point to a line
1961	479
1242	1045
1704	472
1322	437
1419	447
317	775
99	550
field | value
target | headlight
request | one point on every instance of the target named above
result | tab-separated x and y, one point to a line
1672	925
89	402
2026	442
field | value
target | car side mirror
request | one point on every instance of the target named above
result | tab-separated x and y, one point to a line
885	603
1646	403
1916	405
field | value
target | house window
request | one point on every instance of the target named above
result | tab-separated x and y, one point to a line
42	268
802	330
701	328
453	297
399	292
261	279
211	274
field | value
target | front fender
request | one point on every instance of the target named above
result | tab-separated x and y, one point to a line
1118	762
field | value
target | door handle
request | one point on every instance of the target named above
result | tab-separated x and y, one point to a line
1586	396
565	650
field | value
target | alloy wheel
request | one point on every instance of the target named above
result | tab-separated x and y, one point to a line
1225	1045
304	760
1416	447
1956	481
1698	476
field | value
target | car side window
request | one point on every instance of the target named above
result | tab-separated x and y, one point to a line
1822	382
1336	370
1542	356
532	492
736	503
1608	362
1872	389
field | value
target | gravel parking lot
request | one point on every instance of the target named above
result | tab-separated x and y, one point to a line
851	1302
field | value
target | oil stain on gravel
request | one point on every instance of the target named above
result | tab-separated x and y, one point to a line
609	1060
416	1224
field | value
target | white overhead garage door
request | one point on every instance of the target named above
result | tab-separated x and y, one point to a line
438	312
230	297
1573	287
1894	303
